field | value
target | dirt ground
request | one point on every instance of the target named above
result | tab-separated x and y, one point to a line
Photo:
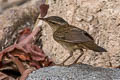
100	18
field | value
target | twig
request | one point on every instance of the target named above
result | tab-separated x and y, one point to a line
18	63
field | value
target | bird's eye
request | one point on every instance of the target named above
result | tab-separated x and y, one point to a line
52	22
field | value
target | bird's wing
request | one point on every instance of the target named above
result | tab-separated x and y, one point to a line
72	35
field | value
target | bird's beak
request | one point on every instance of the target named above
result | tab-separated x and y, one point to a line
42	19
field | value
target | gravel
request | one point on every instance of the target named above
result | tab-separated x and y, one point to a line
75	72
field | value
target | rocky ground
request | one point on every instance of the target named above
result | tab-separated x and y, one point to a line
100	18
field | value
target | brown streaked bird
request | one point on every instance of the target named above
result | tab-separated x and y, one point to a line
71	37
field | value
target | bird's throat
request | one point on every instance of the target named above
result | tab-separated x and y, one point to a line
54	27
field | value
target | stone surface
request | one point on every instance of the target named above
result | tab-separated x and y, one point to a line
75	72
16	18
100	18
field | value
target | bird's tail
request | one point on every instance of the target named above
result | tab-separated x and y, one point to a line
94	47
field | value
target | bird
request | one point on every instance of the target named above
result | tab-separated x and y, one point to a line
71	37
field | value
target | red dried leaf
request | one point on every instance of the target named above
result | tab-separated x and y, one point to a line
20	66
22	56
44	9
38	53
23	34
26	73
35	64
25	50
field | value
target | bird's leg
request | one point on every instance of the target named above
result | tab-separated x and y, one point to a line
79	56
71	54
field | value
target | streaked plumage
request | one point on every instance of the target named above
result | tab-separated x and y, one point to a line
71	37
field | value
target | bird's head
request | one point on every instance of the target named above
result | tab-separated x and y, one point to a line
55	22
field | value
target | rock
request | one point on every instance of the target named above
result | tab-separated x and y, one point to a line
100	18
75	72
13	19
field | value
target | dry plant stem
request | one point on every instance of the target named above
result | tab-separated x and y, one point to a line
26	73
18	63
38	20
31	37
2	76
36	23
5	77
